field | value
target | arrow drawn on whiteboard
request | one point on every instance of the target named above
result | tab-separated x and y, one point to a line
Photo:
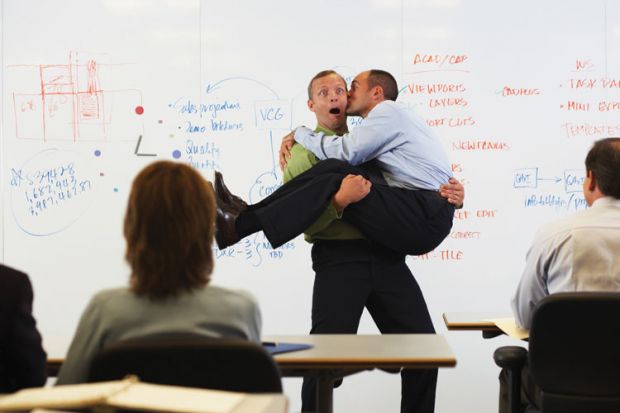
556	179
137	153
213	87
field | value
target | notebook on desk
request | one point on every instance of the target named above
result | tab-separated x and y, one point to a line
277	347
132	394
510	327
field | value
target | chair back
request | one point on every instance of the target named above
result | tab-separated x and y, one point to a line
190	360
574	352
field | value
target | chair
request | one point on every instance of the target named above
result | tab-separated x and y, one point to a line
190	360
574	354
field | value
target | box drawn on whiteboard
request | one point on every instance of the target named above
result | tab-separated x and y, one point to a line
272	114
68	102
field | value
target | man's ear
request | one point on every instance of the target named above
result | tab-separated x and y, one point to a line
311	105
377	92
592	185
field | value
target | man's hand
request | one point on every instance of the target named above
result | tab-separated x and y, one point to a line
353	188
285	149
454	192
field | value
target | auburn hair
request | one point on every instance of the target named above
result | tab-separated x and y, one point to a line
169	228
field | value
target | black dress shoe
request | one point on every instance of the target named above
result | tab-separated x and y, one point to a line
225	229
222	192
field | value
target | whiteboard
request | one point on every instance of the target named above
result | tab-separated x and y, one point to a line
94	91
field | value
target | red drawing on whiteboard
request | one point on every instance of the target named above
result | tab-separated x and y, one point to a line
68	102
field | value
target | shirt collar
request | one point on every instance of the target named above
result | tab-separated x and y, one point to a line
606	201
326	131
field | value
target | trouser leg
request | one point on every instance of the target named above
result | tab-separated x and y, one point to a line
341	287
296	205
397	306
407	221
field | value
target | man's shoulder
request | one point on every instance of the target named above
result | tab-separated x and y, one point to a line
6	271
386	106
558	227
587	219
389	109
13	281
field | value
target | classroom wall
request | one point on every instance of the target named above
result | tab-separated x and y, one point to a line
94	91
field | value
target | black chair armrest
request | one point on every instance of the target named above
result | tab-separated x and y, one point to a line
510	357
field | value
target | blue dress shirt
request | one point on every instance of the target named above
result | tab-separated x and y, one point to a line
405	149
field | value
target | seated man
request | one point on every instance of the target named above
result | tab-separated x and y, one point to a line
406	215
578	253
22	359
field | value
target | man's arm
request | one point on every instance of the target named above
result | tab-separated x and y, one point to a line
373	137
533	284
300	160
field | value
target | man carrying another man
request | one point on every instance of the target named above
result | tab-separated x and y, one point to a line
353	272
407	215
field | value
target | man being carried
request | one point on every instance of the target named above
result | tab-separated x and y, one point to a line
407	215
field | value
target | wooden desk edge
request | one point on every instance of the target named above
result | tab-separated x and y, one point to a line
469	325
53	365
320	365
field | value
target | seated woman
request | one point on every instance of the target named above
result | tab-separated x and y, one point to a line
169	228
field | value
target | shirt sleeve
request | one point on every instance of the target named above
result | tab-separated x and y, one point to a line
27	356
300	161
87	341
533	284
374	136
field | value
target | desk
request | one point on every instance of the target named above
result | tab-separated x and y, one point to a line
334	356
474	321
338	355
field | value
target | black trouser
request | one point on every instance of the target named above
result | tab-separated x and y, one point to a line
408	221
351	275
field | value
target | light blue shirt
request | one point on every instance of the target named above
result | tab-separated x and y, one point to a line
406	150
577	253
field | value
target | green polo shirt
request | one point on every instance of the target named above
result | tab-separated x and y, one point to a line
328	226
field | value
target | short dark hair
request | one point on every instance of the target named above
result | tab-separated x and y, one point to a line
603	161
169	228
384	80
321	74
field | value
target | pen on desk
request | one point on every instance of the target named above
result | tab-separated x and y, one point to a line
270	343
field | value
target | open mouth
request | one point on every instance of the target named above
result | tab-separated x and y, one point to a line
335	111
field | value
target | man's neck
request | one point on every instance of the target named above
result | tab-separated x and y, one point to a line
372	107
341	130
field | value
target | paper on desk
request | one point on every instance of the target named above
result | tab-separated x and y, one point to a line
128	393
510	327
68	396
159	397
